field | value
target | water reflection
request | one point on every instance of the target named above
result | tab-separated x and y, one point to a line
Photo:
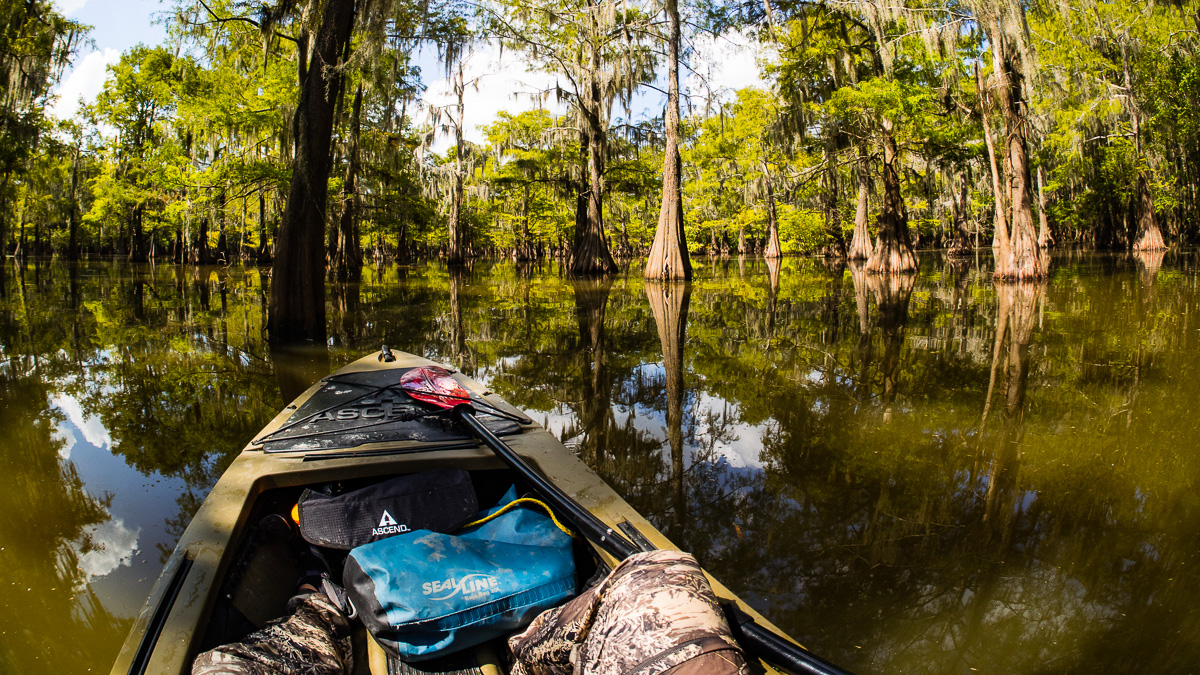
927	473
892	293
669	304
297	367
126	391
52	538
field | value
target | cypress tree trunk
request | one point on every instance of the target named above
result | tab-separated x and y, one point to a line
589	252
773	248
1045	239
4	224
525	251
242	235
137	250
218	210
20	251
262	227
860	245
348	264
669	255
73	211
960	243
581	196
1023	257
1149	237
833	220
893	252
202	256
297	304
1000	223
455	250
184	254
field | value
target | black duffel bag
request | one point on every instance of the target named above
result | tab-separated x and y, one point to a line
441	500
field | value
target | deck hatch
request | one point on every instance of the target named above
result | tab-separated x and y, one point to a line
355	409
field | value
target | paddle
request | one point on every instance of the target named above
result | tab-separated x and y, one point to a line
437	387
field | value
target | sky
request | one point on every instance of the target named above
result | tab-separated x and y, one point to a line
117	25
721	65
502	81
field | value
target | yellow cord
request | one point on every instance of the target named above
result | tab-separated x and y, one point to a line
523	500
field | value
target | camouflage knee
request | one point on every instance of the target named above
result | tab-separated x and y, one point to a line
313	640
655	613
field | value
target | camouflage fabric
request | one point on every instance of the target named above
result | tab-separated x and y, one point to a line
655	613
314	639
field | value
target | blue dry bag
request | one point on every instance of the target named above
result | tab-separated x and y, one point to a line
426	594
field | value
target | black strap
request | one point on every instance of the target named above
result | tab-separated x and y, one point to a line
708	644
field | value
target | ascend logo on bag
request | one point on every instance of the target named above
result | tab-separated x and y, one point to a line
387	525
476	585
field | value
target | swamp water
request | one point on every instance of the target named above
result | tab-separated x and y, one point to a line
923	475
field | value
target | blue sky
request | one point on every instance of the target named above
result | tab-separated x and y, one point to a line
503	81
117	25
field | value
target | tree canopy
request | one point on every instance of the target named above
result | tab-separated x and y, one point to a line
918	125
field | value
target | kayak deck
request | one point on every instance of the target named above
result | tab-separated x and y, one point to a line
191	596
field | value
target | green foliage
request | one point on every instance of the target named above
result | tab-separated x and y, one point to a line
36	44
188	152
1117	96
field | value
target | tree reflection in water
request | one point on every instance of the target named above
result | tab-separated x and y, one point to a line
107	363
892	292
51	620
910	474
669	303
626	456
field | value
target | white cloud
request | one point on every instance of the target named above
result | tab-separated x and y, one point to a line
496	81
741	444
68	441
112	546
84	81
91	428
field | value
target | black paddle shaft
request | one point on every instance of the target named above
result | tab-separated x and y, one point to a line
761	642
592	527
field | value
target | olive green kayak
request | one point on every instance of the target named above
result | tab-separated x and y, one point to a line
350	428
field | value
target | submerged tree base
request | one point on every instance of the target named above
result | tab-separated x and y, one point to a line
958	249
891	257
593	267
591	257
860	246
1151	240
1024	268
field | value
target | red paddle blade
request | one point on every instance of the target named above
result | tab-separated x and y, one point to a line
435	385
